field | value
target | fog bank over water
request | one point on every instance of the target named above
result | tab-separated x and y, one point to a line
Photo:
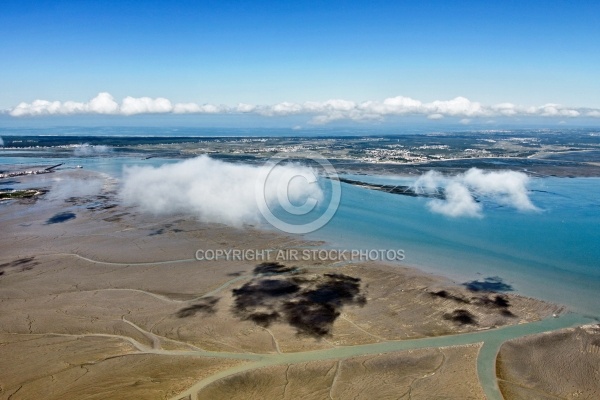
215	191
89	150
507	188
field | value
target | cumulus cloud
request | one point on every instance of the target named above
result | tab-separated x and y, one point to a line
245	108
84	150
321	112
145	105
463	191
103	103
214	191
553	110
459	202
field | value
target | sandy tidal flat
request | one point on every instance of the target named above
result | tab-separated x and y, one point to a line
100	300
564	364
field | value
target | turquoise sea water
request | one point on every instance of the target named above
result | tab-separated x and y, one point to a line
553	254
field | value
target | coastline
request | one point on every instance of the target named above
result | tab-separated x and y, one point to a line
114	274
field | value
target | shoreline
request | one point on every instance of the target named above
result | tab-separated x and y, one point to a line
114	279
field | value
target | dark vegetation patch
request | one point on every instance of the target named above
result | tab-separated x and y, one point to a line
343	277
100	206
489	284
264	319
116	217
26	196
395	189
309	304
205	305
461	317
310	318
23	264
337	290
60	218
253	293
498	301
447	295
272	268
93	203
164	229
21	194
75	200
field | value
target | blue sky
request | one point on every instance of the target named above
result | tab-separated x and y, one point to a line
269	52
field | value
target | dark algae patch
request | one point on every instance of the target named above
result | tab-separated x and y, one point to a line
60	218
444	294
18	265
489	284
205	305
272	268
310	304
461	317
488	300
26	194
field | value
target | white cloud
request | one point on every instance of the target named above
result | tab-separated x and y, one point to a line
104	103
187	108
69	185
145	105
506	109
459	106
506	187
553	110
245	108
321	112
435	116
501	187
86	149
284	109
193	108
459	202
212	190
594	113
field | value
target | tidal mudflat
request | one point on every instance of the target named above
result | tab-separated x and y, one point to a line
113	303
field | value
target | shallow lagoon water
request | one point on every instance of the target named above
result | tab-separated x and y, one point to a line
551	254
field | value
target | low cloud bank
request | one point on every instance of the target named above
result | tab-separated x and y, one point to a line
213	190
69	186
504	187
322	112
90	150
